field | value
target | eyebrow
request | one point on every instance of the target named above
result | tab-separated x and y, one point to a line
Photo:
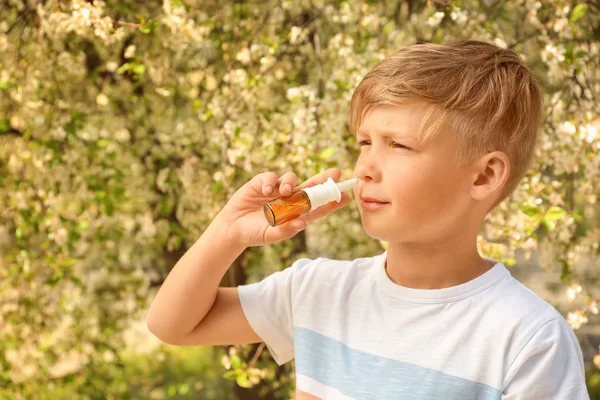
390	134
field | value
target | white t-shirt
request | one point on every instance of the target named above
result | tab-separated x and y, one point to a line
355	334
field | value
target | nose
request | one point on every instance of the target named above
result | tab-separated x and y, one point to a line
366	167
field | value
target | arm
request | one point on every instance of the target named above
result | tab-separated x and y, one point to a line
190	308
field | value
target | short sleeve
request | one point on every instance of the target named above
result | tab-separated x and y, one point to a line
268	308
550	366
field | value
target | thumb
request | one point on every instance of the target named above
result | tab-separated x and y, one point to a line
284	231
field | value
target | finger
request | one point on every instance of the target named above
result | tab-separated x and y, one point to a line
284	231
325	209
333	173
267	183
287	183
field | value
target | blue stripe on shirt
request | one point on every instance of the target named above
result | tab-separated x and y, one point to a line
367	376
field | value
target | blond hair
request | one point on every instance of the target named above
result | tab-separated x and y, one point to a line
485	94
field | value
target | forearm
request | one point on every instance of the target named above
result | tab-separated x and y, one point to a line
190	289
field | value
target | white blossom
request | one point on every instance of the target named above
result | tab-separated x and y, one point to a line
435	19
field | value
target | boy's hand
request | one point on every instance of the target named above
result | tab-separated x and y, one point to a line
244	216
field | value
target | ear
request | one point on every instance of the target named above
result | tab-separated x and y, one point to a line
490	175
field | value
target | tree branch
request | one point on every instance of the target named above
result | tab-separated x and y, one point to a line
256	355
523	39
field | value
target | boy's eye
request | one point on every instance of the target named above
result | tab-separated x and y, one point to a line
397	145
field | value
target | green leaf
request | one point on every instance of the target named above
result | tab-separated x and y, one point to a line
174	243
578	215
325	154
136	68
119	192
4	85
343	85
509	262
579	11
4	125
206	116
102	143
139	69
529	210
124	68
109	207
242	380
176	228
550	225
594	381
148	27
389	27
217	188
438	36
53	280
76	281
166	206
230	375
236	362
565	275
67	262
554	213
27	302
184	389
172	391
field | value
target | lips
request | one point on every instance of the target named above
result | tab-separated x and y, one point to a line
371	206
372	200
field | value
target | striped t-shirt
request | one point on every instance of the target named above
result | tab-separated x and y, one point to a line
355	334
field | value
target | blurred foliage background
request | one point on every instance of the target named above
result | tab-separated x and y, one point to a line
125	126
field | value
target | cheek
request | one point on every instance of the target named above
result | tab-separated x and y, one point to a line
426	191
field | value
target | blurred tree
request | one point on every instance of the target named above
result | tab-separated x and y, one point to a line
126	126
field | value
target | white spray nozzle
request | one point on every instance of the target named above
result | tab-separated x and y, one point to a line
328	191
346	185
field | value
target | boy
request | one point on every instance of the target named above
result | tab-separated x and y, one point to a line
446	133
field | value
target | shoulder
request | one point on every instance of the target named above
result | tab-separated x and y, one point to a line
328	268
514	312
516	302
322	274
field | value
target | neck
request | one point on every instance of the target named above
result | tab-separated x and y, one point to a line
435	265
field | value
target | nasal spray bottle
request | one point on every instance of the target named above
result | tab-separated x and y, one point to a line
301	201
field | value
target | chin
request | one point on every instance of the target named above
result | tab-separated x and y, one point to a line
391	232
381	234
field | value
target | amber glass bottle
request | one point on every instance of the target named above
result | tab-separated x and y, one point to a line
301	201
287	208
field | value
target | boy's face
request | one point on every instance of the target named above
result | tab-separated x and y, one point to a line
426	194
